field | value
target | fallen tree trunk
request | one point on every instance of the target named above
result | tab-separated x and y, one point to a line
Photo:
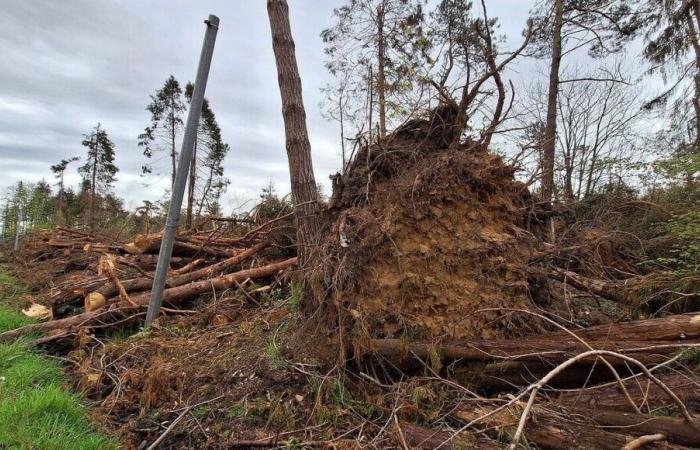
670	328
647	395
143	243
172	295
142	284
422	438
540	348
179	293
549	432
676	429
614	291
149	262
150	243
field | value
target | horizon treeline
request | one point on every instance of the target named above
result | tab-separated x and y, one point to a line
34	206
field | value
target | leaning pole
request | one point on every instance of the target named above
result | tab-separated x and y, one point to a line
183	167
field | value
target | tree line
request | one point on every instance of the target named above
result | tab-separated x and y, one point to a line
33	206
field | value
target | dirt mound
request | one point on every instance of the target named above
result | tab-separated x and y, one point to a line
423	237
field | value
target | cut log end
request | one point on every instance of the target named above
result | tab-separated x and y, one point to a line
94	301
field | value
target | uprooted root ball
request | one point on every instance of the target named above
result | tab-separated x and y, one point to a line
417	249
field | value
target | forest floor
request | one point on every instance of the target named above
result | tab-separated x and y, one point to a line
37	409
440	315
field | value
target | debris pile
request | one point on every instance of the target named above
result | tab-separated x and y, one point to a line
109	284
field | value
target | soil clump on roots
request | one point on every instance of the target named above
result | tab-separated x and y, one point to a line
421	237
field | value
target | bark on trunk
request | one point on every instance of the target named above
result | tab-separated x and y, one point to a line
190	187
680	327
550	132
141	284
179	293
609	290
304	190
381	74
91	207
548	348
150	243
676	429
645	393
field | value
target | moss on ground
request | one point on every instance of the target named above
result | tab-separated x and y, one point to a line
36	410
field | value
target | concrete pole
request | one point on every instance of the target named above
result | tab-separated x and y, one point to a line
183	167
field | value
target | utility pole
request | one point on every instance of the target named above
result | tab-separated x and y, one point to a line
178	191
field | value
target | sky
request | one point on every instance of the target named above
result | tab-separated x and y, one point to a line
70	64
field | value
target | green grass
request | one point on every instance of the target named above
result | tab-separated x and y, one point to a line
36	410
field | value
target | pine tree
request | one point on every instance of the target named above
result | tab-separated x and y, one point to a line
209	151
166	110
671	30
564	26
369	36
301	171
99	170
59	171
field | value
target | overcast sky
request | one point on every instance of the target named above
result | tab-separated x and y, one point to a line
69	64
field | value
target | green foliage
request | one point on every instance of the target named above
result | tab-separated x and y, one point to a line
271	205
237	411
210	153
28	206
166	110
9	319
684	251
680	166
99	168
295	296
691	358
35	411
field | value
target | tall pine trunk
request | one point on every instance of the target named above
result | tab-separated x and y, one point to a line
550	131
695	41
91	204
172	148
191	186
304	190
381	76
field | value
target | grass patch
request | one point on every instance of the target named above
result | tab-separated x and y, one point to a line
36	411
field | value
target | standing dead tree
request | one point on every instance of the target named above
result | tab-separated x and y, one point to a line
301	172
